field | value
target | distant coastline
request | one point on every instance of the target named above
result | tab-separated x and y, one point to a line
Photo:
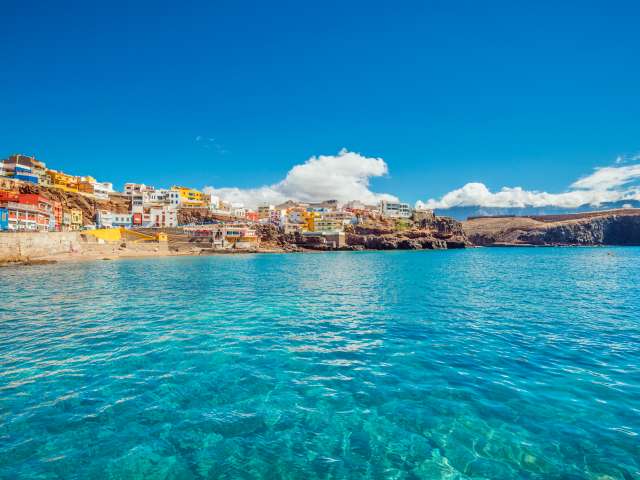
612	228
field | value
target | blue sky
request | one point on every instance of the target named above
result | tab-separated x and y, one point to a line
530	94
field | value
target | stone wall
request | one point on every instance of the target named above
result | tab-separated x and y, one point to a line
27	245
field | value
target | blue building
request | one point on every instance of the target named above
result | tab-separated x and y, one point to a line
4	219
25	174
22	167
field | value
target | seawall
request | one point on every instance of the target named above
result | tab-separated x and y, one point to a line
26	245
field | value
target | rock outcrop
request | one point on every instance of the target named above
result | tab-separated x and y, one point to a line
272	238
433	234
188	216
438	233
616	227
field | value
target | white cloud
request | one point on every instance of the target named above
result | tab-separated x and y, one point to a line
607	184
341	177
608	178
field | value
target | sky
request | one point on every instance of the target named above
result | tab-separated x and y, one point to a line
443	103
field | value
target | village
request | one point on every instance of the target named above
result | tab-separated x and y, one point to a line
34	198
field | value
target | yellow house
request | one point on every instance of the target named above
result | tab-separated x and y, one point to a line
310	220
86	187
76	219
190	197
63	181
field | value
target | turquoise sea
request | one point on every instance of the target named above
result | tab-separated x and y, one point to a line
485	363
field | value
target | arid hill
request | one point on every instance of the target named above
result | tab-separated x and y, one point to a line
612	227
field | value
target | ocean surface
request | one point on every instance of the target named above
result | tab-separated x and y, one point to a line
507	363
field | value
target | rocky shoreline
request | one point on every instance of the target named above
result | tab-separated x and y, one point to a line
620	227
434	233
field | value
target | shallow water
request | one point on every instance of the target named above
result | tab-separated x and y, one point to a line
485	363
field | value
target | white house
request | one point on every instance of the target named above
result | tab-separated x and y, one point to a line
102	190
133	188
165	196
238	211
278	216
394	209
157	216
107	219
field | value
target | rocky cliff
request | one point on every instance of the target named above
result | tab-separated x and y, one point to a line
376	234
434	233
615	227
187	216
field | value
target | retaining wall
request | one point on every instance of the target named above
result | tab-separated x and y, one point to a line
21	245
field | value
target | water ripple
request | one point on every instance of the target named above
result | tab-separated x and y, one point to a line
500	364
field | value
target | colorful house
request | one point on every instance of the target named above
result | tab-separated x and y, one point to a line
66	221
309	220
240	237
264	210
251	216
9	196
76	218
29	212
26	169
85	185
190	197
107	219
155	216
41	209
24	174
4	219
56	217
63	181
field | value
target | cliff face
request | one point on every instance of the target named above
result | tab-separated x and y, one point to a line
613	230
437	233
619	227
434	233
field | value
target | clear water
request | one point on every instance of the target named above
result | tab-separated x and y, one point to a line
488	363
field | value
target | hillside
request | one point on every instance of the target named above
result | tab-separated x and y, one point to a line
612	227
117	203
69	200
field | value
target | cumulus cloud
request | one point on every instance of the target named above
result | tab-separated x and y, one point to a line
343	177
607	184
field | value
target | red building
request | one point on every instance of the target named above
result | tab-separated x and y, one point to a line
57	215
9	196
251	216
27	211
